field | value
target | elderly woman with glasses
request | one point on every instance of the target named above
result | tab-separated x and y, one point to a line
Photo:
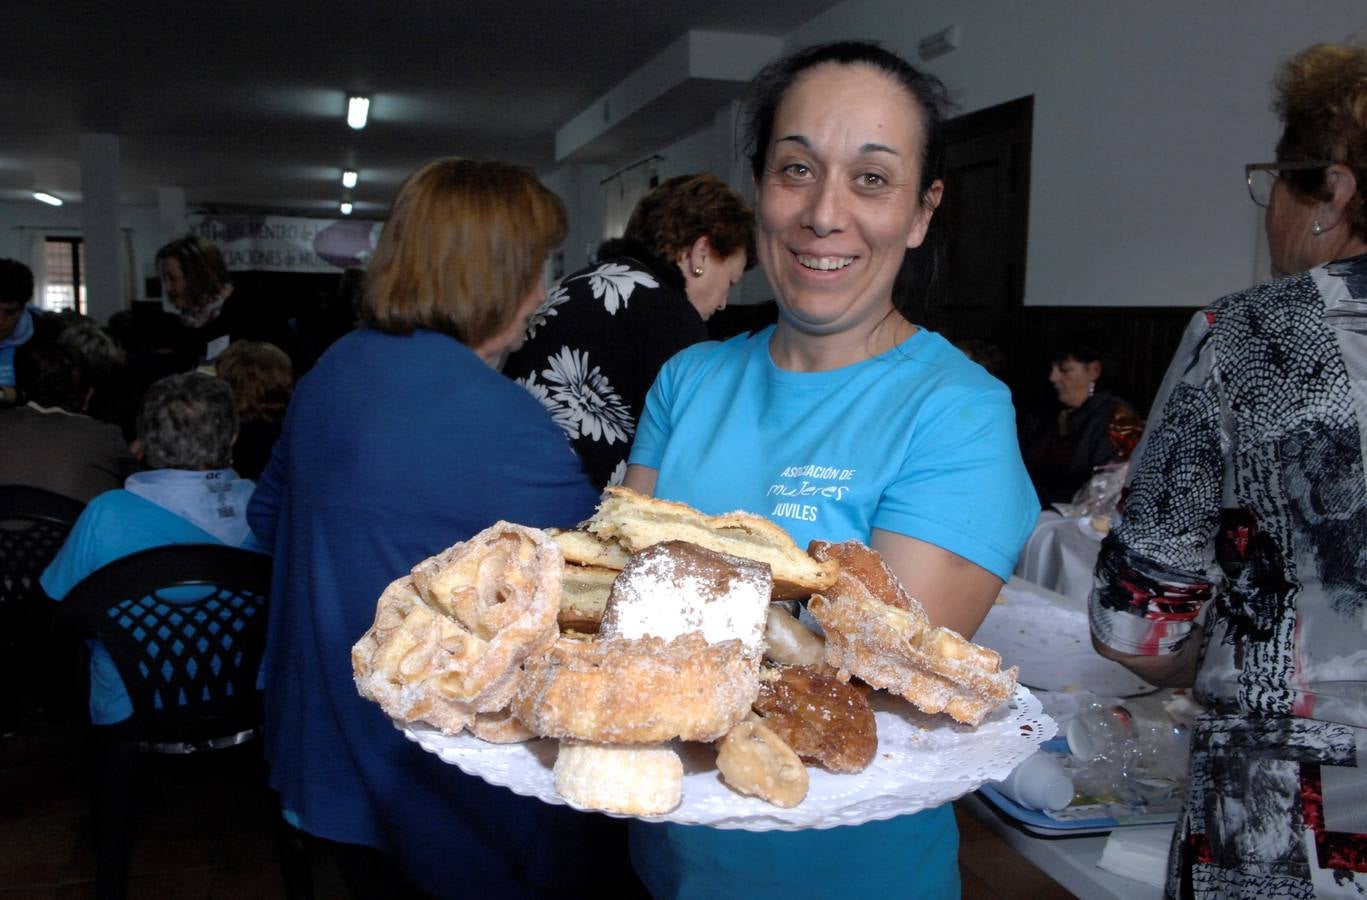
1238	566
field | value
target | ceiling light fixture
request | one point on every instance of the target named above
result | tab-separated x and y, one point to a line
349	178
357	109
346	207
44	197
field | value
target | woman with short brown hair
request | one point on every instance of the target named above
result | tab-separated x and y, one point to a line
401	441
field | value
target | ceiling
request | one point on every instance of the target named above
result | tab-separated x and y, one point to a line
241	103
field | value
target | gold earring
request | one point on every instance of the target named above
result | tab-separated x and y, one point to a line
697	271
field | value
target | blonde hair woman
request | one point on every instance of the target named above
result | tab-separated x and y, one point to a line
402	440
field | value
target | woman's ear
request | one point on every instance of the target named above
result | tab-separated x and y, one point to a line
1343	185
695	257
1094	370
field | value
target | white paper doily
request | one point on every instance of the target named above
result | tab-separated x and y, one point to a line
922	762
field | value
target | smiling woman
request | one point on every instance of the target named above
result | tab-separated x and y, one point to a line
886	432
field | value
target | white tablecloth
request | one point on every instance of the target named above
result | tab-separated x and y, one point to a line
1061	554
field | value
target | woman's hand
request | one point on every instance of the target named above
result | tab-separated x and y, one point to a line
955	592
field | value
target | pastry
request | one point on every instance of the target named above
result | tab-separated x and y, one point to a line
878	632
630	779
788	642
673	588
824	720
448	641
616	691
584	594
636	522
754	760
587	549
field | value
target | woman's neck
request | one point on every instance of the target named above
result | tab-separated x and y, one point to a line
795	350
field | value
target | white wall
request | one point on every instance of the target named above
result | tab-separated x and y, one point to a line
19	221
1144	116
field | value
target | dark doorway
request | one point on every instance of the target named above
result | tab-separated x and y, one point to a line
984	218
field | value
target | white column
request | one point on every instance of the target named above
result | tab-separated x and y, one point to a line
171	213
100	225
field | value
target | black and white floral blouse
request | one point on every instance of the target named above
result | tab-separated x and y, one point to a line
595	345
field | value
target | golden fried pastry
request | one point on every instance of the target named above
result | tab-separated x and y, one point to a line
500	727
448	641
673	588
615	691
584	594
871	634
631	779
636	522
790	643
583	548
754	760
824	720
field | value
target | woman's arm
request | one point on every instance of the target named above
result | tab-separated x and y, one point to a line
955	592
641	479
1173	670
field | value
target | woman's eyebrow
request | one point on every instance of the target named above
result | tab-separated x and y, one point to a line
864	148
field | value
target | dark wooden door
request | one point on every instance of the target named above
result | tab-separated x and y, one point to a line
983	221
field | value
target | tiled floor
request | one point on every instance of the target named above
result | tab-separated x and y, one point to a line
206	830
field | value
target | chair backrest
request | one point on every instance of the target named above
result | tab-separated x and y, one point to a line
186	626
33	524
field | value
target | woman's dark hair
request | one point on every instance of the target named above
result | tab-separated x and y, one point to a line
1081	346
918	280
50	375
684	208
1322	102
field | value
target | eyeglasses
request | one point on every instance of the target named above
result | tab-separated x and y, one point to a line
1261	177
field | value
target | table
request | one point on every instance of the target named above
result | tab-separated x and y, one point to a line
1071	861
1061	554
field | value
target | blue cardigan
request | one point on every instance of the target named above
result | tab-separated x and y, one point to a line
394	448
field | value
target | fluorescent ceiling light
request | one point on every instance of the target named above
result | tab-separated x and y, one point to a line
346	207
349	178
50	200
357	109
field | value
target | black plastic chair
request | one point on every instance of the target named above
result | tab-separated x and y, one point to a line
189	665
33	525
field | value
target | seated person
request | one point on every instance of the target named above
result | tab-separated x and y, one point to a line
186	429
49	442
18	323
1062	449
262	380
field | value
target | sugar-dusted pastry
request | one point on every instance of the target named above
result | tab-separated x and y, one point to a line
584	594
636	522
674	588
448	641
616	691
878	632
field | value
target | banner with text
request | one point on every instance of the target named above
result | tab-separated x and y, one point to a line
287	243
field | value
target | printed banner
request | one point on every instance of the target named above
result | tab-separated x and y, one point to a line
288	244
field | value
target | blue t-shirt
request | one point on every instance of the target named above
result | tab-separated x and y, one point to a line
112	526
918	441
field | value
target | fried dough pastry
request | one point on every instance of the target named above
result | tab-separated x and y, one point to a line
586	549
824	720
636	522
877	631
630	779
584	592
500	727
790	643
754	760
615	691
448	640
